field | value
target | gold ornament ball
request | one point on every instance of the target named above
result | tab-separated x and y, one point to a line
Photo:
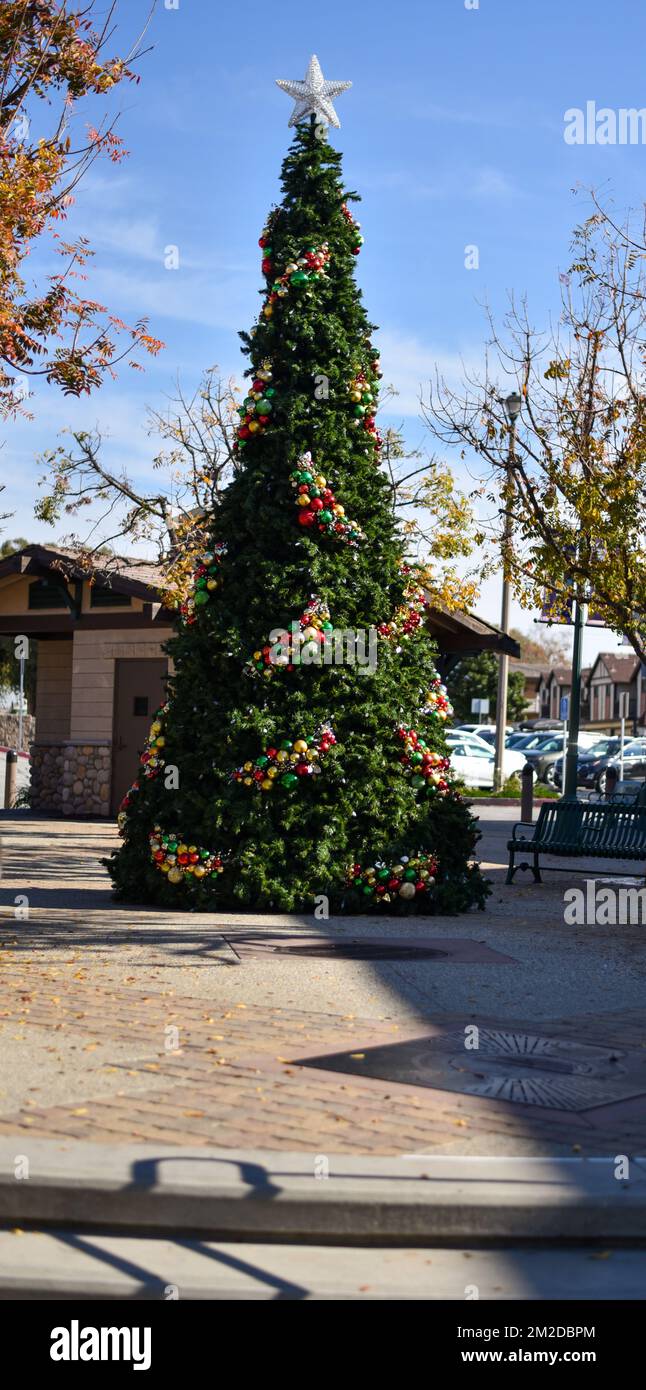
407	890
174	875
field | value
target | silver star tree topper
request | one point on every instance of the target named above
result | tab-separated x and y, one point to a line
313	97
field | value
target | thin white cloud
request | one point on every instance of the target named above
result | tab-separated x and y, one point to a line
410	366
492	183
454	185
212	300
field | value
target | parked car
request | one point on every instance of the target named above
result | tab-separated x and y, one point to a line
592	762
634	763
547	753
540	725
535	740
473	759
482	730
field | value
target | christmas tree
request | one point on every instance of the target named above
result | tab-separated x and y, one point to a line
300	751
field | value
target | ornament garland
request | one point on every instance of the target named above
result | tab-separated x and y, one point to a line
356	227
179	861
256	409
363	393
204	581
408	616
425	768
309	267
124	805
437	701
317	504
296	648
407	879
287	765
151	761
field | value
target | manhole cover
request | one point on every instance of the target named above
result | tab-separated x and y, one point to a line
500	1064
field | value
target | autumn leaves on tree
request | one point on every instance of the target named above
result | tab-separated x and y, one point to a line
50	58
301	749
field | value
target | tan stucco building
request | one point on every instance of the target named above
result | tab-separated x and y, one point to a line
100	673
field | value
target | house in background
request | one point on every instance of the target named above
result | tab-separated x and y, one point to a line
533	675
101	669
612	676
552	687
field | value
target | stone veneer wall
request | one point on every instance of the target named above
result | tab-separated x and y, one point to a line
9	730
72	779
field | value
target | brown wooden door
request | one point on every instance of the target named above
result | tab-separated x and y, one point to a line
139	690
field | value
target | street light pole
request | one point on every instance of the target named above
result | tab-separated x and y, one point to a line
512	406
570	780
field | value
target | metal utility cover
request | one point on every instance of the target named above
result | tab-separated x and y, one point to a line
522	1068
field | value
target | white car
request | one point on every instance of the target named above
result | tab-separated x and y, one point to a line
480	729
472	759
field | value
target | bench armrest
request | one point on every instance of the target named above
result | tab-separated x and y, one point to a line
529	824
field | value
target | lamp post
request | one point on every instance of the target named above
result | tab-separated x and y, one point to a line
512	406
570	771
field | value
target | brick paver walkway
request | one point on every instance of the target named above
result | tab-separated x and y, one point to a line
171	1065
231	1081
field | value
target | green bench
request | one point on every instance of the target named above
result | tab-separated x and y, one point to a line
573	829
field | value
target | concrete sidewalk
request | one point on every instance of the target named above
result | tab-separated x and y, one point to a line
86	1221
232	1194
70	1265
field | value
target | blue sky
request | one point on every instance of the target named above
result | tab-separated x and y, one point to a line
452	133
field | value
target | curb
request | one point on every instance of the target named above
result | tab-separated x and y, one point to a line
249	1195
